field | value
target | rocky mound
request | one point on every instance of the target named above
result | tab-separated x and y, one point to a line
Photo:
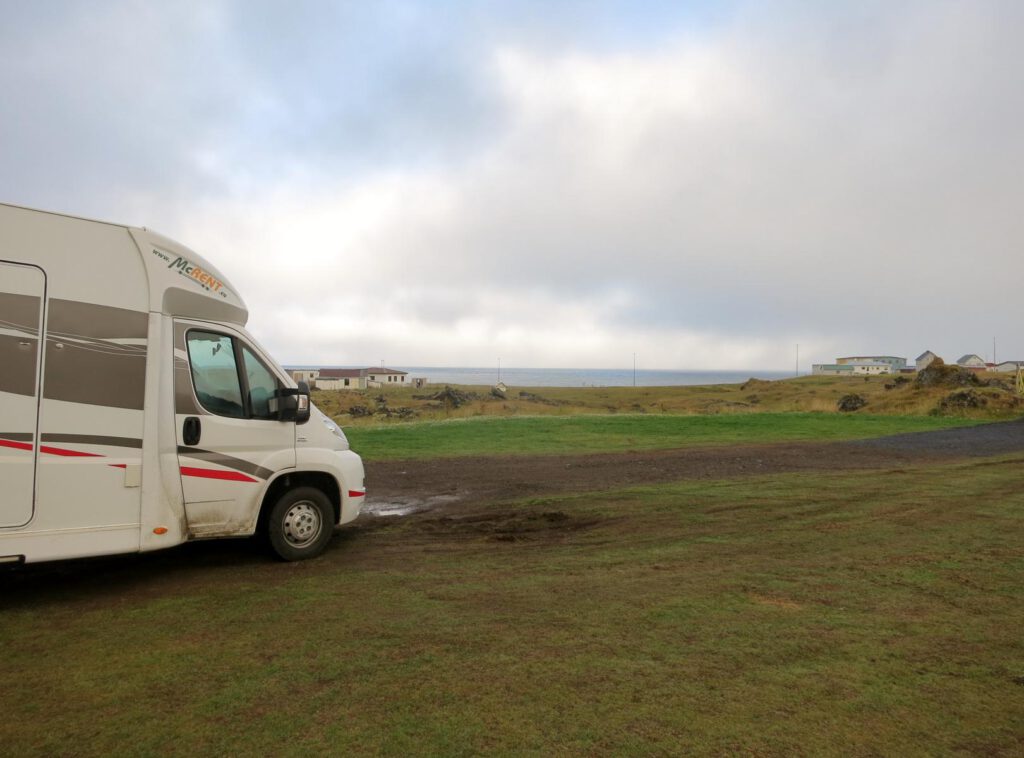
849	403
938	374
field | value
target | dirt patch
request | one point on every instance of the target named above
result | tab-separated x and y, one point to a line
481	480
507	525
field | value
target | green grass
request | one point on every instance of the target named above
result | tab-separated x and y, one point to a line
868	613
610	433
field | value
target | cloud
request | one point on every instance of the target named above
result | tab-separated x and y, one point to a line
441	189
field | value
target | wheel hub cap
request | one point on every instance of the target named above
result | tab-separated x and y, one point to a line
301	524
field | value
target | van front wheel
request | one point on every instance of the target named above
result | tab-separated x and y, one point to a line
300	524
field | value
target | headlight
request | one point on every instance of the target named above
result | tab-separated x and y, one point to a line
334	429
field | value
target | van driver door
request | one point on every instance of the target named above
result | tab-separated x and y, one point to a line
229	440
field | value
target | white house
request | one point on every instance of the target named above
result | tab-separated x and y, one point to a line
971	361
380	377
893	361
861	365
1009	366
352	378
924	359
341	379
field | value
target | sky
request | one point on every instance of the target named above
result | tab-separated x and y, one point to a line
551	184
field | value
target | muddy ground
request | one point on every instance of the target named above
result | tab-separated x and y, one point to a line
450	499
401	487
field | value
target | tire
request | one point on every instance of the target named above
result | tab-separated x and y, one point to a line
301	524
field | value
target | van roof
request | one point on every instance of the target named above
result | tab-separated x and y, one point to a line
180	282
69	215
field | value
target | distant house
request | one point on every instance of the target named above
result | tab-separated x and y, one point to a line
378	377
1009	366
868	360
350	378
924	359
971	361
341	379
831	369
305	375
861	365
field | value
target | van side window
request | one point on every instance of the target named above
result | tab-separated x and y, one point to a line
262	385
215	374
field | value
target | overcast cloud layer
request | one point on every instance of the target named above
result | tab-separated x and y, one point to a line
449	183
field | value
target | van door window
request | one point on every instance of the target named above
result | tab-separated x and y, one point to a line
262	385
215	374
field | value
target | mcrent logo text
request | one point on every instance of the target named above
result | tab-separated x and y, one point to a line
186	267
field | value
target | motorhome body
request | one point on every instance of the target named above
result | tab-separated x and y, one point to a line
136	411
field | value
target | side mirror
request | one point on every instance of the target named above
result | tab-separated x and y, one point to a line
291	404
302	411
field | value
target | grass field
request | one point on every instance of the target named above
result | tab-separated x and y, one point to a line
611	433
868	613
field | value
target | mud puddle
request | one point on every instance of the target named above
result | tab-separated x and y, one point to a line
404	506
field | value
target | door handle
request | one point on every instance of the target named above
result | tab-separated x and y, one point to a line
191	430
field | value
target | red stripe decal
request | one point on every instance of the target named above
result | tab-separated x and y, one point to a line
50	450
209	473
355	493
58	451
16	445
69	453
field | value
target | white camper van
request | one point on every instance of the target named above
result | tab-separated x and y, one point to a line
136	412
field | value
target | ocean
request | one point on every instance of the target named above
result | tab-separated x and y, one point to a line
577	377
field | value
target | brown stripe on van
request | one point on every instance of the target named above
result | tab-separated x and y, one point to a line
20	312
239	464
84	363
78	373
19	351
18	361
92	439
72	318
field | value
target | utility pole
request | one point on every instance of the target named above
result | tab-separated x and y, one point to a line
634	369
994	350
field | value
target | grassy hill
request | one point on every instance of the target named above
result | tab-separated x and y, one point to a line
884	395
